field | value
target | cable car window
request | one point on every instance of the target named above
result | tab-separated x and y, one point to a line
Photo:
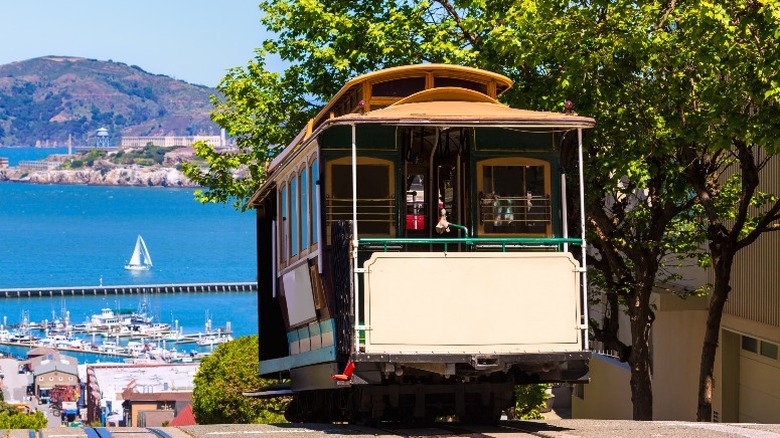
284	214
315	179
399	87
462	83
514	199
294	230
375	203
303	177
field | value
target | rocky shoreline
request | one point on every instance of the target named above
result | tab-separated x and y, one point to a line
117	176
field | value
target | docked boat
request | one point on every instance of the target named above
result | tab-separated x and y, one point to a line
111	347
174	336
214	340
107	319
140	260
154	329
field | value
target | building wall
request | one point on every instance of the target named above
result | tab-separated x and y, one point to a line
136	407
608	395
676	340
755	297
168	141
51	379
747	384
678	333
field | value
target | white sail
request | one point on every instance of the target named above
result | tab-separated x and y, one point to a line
145	251
140	259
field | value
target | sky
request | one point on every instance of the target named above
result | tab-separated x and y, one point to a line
193	40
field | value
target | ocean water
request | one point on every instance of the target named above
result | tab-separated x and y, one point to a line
71	235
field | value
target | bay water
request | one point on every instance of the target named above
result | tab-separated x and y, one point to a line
76	235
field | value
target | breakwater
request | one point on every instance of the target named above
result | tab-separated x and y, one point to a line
128	289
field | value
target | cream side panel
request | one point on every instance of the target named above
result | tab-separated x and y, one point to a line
472	302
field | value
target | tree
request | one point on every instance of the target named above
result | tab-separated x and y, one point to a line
628	64
12	418
733	109
327	43
222	378
264	110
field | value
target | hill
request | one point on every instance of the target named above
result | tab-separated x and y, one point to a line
43	100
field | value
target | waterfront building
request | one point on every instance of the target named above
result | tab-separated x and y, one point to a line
216	141
152	409
3	162
51	373
38	165
124	394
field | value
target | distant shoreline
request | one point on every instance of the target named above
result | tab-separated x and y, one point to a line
132	176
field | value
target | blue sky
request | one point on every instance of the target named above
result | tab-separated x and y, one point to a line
192	40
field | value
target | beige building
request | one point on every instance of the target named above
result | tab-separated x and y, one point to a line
153	409
747	367
216	141
49	373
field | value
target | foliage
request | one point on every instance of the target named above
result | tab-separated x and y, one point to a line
326	44
12	418
669	83
146	156
221	379
529	401
149	155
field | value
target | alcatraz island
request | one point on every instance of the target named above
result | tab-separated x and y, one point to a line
130	165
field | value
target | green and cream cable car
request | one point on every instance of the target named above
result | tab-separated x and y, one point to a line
414	254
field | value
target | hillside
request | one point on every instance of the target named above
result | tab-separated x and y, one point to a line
43	100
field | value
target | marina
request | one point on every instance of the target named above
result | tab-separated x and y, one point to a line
116	335
100	331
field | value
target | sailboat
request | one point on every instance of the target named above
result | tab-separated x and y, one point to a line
140	261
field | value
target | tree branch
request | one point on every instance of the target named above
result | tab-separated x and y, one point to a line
669	10
459	21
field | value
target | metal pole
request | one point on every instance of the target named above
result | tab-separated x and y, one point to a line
355	240
564	212
583	248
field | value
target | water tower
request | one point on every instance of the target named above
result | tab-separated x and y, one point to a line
103	139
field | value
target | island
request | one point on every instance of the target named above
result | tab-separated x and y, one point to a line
147	166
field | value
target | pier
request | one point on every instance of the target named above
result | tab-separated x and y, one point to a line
184	288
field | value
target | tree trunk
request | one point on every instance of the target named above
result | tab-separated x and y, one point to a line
720	292
639	360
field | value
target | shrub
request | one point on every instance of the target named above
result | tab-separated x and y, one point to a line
12	418
529	400
222	378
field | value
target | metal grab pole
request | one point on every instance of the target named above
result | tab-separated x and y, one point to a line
583	248
564	212
355	283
